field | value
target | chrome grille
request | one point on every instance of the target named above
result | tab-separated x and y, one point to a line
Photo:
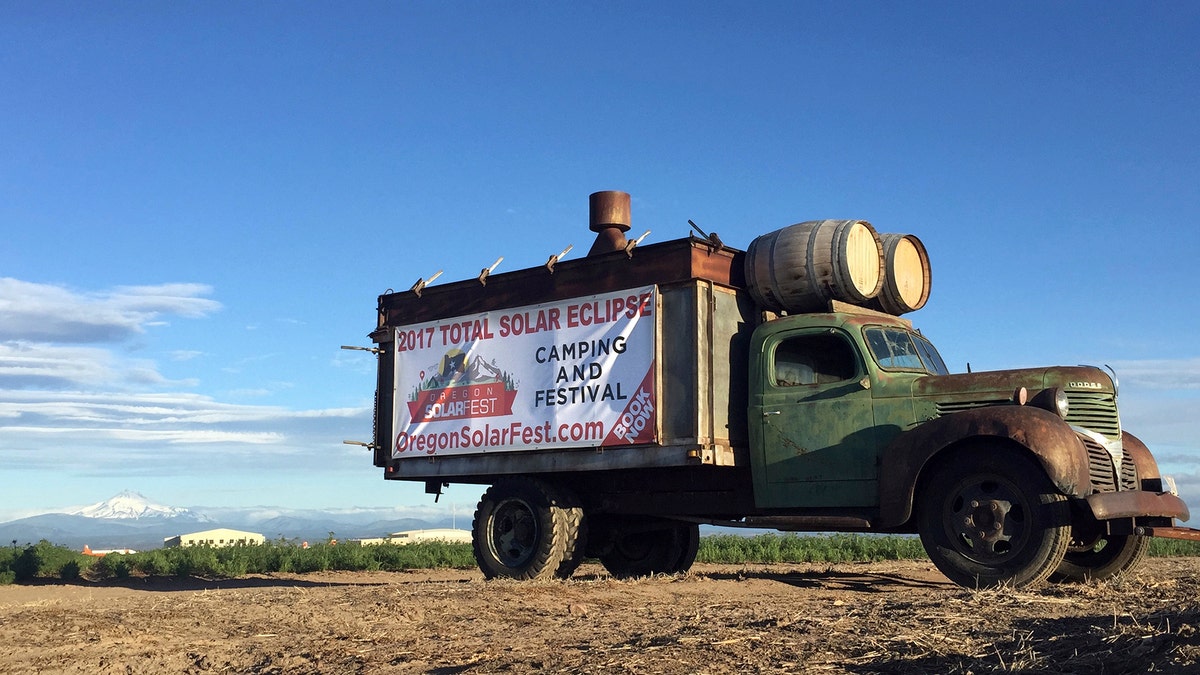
1095	412
1129	479
1100	466
1105	477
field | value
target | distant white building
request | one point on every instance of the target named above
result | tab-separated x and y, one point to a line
101	552
445	534
218	537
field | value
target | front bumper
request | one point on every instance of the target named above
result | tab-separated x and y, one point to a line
1135	504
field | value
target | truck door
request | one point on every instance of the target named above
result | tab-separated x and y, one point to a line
816	445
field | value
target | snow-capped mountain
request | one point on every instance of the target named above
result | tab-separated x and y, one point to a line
130	505
130	520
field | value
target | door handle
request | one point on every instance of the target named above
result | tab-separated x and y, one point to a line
768	413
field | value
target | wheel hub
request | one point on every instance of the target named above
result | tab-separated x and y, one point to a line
987	520
513	532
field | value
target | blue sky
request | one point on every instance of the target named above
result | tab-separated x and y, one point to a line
200	202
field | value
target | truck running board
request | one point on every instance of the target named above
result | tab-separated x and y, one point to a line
809	523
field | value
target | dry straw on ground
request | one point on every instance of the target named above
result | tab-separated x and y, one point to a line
898	617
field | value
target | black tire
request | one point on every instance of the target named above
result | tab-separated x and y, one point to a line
1108	557
576	534
991	518
521	530
689	545
640	553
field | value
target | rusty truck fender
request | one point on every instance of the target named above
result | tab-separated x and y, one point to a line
1045	435
1147	466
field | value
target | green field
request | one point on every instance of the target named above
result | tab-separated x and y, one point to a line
47	561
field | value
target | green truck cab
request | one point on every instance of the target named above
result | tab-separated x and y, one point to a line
1008	476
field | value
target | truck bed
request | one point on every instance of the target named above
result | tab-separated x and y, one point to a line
702	321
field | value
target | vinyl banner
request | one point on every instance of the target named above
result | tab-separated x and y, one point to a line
573	373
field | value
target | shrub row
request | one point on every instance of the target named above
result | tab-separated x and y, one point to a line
45	560
774	548
791	548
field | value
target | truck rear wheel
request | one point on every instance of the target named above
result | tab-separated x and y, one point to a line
522	530
992	517
576	533
640	553
1107	557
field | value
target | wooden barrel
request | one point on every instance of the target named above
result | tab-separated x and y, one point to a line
800	268
906	275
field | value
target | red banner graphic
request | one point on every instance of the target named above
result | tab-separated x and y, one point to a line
468	401
636	423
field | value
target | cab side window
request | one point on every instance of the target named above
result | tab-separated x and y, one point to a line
813	359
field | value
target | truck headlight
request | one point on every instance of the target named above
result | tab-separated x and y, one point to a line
1054	400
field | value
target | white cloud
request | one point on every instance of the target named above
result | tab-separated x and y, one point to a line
250	393
53	337
165	299
1161	420
33	312
31	365
99	435
71	400
157	434
1160	374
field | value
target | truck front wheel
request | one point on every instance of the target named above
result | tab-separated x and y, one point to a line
992	517
1107	557
522	530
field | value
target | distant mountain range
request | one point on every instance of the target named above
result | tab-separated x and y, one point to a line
129	520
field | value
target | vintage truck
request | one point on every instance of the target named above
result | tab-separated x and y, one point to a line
615	402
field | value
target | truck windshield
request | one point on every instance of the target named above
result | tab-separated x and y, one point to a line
896	349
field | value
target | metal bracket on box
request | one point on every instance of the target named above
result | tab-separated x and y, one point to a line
373	350
713	240
555	258
483	273
630	245
422	283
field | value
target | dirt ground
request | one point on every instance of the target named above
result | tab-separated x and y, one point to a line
856	618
